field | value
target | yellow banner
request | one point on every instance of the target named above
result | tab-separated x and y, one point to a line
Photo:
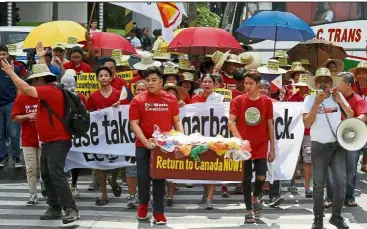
225	92
87	83
127	76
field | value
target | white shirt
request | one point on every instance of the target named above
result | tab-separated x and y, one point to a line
320	130
329	15
135	42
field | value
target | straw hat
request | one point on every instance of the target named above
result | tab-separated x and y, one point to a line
296	67
181	92
170	70
40	70
361	65
302	82
271	68
305	62
157	55
217	56
188	76
339	64
58	45
322	72
72	42
185	65
121	60
228	58
13	50
146	62
282	58
251	60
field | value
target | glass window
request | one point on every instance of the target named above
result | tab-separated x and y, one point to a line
14	37
228	16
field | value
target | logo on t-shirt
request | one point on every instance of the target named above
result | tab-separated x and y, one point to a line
327	110
156	107
252	116
31	108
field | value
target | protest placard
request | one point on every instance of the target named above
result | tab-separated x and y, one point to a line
225	92
87	83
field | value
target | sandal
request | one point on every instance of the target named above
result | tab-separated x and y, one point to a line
257	208
101	201
328	204
249	218
351	204
115	189
364	168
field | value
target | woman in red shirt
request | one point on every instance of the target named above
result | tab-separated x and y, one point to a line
105	97
76	63
188	83
171	75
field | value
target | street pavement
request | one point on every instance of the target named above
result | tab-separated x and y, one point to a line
187	212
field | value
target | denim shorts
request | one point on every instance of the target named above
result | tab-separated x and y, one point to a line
306	149
131	171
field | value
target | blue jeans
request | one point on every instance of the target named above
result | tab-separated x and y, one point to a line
9	129
351	163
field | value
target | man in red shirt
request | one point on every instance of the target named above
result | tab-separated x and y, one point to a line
116	82
56	140
152	107
251	118
229	65
359	106
239	76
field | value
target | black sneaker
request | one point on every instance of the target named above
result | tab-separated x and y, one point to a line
51	213
169	202
275	201
338	222
3	163
70	216
43	190
318	222
17	164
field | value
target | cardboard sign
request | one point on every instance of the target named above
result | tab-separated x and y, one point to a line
210	167
127	76
87	83
225	92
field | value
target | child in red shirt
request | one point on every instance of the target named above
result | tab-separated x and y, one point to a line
152	107
251	118
24	112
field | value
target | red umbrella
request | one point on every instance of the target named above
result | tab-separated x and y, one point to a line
109	41
204	41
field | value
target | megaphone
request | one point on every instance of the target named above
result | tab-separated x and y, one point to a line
351	134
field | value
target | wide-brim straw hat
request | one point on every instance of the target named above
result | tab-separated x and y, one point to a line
13	50
322	72
339	64
251	60
188	76
181	92
185	65
72	42
146	62
40	70
161	56
228	58
296	67
302	81
271	68
361	65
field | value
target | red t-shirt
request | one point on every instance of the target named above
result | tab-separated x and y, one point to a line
357	103
200	98
22	68
236	93
252	117
295	98
118	83
82	68
229	83
153	110
133	81
25	105
363	90
97	101
84	100
55	99
187	99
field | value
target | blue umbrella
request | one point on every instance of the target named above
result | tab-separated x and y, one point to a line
276	26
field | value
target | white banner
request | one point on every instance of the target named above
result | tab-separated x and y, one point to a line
110	134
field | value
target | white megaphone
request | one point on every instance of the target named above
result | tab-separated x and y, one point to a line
352	134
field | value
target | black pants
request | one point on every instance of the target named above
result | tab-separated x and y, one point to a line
274	189
53	158
260	168
144	179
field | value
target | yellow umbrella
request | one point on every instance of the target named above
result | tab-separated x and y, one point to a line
164	46
55	31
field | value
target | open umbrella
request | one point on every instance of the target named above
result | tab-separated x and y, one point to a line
165	44
106	42
204	41
276	26
52	32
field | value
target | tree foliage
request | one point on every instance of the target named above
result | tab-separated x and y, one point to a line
206	18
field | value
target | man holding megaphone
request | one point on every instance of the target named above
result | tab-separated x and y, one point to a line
353	146
322	114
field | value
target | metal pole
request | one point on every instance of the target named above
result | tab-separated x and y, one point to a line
10	14
275	39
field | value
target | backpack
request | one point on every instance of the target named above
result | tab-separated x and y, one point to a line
77	118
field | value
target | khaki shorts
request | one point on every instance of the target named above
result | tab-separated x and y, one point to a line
306	149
